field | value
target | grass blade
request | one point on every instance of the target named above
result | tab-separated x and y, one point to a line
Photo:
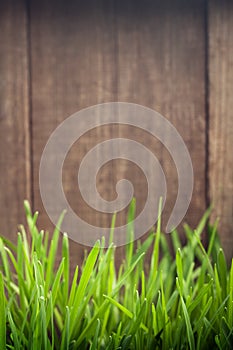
3	315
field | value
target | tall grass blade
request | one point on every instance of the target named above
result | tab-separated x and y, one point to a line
3	315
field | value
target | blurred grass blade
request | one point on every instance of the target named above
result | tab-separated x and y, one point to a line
3	315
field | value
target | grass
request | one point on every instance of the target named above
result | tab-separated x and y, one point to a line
157	299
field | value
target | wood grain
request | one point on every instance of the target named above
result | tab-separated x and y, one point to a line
151	54
220	117
14	117
161	64
57	58
73	54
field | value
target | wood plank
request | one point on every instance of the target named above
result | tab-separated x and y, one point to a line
73	52
14	117
161	64
220	117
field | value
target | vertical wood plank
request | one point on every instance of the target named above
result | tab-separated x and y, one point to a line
161	64
220	117
14	117
72	68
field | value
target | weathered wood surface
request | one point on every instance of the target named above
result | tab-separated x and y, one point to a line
221	117
15	179
160	57
60	57
72	68
83	54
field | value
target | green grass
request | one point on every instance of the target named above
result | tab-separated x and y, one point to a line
159	298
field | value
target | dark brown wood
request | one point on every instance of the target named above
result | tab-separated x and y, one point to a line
161	64
73	55
150	53
14	117
220	117
57	58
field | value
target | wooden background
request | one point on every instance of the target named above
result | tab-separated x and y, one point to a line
57	57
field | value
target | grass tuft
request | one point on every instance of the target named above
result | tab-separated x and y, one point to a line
155	300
